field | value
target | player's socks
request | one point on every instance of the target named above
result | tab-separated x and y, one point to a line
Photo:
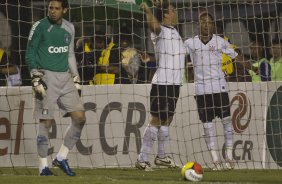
228	151
42	164
63	152
209	135
228	132
217	166
149	137
214	156
209	139
229	161
163	137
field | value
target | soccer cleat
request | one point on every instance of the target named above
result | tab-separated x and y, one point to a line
230	164
217	166
64	166
166	161
46	172
146	166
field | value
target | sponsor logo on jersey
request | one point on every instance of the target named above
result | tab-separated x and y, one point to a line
212	48
32	30
67	38
53	49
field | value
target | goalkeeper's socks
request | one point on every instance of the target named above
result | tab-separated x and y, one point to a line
63	152
42	164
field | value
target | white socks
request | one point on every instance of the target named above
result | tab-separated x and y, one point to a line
228	136
42	163
63	152
209	135
228	132
214	155
163	138
149	137
228	153
209	139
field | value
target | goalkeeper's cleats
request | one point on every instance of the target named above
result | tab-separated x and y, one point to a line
145	165
46	172
230	164
166	161
217	166
64	166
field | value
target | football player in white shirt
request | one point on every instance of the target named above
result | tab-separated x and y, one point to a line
166	82
210	85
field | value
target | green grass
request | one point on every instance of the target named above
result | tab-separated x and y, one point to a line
134	176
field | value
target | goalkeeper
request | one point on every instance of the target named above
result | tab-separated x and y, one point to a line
55	80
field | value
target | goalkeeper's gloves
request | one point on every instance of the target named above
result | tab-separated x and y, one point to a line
77	84
38	85
34	73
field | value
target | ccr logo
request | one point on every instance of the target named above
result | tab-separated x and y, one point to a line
240	112
241	117
53	49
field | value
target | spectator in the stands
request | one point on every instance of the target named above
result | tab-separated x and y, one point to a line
240	72
109	67
276	60
130	59
148	67
260	69
9	73
88	52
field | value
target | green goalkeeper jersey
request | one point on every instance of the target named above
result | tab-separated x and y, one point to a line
50	46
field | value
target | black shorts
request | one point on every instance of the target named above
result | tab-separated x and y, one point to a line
213	105
163	99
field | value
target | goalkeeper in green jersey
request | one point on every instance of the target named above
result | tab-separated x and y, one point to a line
55	80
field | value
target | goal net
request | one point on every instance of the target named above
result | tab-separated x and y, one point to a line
118	114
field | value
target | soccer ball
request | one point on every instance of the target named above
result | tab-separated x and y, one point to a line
192	171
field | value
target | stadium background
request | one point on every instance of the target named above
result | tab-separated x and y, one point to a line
242	21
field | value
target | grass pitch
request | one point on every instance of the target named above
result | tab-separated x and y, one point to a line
134	176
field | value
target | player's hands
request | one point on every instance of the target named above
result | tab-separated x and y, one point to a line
34	73
145	58
77	84
38	85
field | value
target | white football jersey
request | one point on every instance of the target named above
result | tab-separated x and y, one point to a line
170	57
207	62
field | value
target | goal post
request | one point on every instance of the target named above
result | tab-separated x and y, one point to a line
118	114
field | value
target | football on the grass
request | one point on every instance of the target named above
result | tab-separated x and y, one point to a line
192	171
